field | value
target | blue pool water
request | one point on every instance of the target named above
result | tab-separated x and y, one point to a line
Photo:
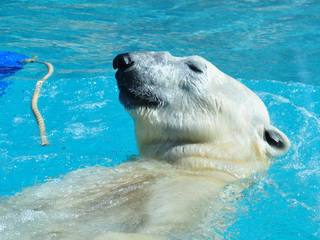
271	46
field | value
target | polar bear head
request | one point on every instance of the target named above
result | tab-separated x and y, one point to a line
188	112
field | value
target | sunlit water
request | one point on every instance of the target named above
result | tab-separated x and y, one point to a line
271	46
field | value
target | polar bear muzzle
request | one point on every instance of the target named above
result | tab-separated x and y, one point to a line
133	90
155	79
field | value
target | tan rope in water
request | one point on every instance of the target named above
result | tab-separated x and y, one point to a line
34	101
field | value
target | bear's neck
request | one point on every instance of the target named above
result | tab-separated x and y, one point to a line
232	160
236	171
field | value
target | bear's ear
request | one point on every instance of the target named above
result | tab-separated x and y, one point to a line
277	143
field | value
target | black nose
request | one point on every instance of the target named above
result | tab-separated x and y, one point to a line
122	62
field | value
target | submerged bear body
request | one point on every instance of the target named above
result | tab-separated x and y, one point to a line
198	130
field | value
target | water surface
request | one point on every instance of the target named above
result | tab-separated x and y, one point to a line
271	46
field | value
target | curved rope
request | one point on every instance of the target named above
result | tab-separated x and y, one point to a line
34	101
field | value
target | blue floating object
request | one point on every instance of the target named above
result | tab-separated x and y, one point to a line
10	63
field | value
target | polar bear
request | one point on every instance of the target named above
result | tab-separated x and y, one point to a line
190	114
198	130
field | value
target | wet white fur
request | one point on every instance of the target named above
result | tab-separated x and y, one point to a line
207	134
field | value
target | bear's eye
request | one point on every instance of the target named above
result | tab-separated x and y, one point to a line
194	67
